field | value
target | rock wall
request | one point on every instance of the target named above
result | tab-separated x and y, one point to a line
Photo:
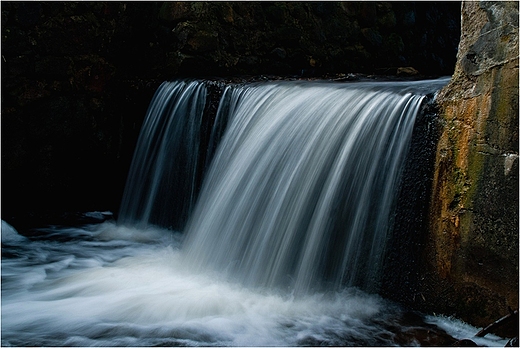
310	37
75	87
472	251
77	77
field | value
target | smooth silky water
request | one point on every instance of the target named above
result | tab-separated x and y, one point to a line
281	244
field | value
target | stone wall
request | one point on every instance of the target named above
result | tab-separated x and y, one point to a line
472	252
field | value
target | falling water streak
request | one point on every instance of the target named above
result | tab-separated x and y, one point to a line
301	188
166	156
390	164
221	119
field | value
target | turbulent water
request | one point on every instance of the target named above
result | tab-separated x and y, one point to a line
107	285
301	189
281	246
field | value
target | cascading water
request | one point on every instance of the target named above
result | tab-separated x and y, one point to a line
297	199
301	190
162	180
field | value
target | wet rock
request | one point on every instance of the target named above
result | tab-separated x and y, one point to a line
367	14
407	71
473	262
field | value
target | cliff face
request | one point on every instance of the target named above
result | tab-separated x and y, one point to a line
473	246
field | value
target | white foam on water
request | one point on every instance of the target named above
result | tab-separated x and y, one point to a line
462	330
105	285
10	234
71	293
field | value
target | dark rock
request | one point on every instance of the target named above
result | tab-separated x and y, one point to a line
386	16
373	36
28	15
465	343
279	53
288	35
56	67
513	342
275	13
394	43
472	251
175	11
407	71
323	9
409	19
203	41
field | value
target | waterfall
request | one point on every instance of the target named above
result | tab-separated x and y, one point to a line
161	184
301	188
252	215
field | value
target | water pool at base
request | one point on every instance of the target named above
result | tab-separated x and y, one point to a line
106	285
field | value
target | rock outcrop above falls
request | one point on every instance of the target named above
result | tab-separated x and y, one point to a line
472	251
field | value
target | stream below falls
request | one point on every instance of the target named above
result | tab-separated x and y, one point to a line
99	284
